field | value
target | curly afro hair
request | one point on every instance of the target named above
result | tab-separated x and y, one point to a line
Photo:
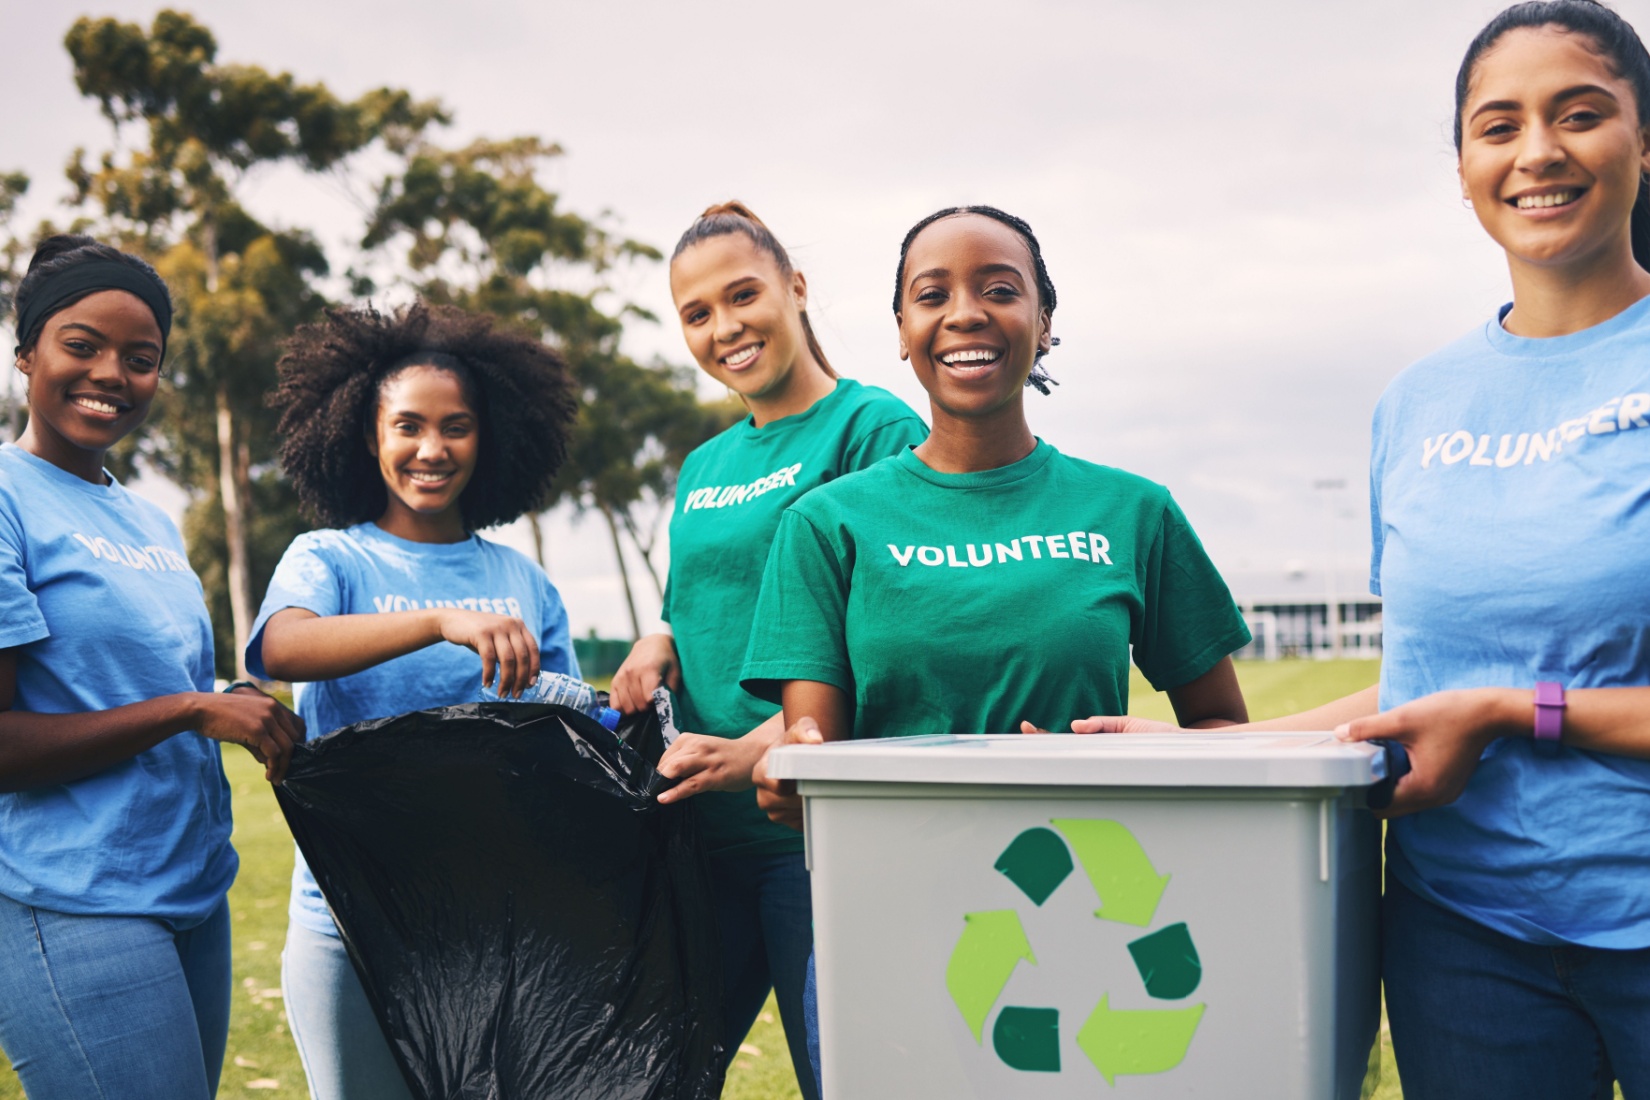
327	393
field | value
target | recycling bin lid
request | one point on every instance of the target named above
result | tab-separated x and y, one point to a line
1204	758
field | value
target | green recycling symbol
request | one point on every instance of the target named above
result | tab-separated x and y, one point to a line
993	943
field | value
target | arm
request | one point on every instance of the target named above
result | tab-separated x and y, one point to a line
41	750
1210	701
652	661
301	645
1359	704
1446	733
815	713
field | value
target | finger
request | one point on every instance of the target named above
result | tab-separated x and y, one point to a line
683	765
279	762
1027	727
687	788
484	649
509	665
526	657
294	725
672	678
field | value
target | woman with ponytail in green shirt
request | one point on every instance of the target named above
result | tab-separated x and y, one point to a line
743	310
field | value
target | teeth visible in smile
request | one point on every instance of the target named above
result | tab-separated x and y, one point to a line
1557	198
420	475
742	356
95	405
957	357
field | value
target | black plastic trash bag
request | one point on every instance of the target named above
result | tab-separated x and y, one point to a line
527	920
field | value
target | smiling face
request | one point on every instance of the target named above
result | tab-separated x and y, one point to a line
742	316
92	375
970	320
1552	149
427	438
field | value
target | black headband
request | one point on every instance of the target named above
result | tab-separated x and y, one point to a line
72	284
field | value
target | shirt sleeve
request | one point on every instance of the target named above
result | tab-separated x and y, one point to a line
882	441
800	628
20	619
556	653
306	577
1188	621
1377	533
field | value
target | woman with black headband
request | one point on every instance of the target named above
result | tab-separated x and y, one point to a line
114	812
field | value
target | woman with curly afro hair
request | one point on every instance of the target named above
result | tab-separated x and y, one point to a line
404	434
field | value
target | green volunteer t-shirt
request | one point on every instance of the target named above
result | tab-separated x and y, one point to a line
729	497
964	603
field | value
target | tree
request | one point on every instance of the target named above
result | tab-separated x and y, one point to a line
480	231
241	285
13	261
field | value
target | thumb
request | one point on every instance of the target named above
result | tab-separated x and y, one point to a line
1373	728
804	732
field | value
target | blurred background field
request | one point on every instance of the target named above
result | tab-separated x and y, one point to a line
261	1059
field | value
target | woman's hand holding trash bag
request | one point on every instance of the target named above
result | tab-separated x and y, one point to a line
700	762
651	662
254	720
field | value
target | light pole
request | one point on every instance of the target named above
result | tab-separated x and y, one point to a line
1332	605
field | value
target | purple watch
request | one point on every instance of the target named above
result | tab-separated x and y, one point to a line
1549	710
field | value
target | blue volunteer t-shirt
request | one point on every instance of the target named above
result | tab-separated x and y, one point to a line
101	608
363	570
1510	501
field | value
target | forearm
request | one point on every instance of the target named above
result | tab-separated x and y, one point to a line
1348	708
826	704
306	647
1607	720
40	750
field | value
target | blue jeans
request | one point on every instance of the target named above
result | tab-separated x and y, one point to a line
344	1052
1478	1014
810	1020
113	1008
764	910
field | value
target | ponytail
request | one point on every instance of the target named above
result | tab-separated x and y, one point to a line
735	217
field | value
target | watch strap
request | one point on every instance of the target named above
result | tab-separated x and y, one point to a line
1549	710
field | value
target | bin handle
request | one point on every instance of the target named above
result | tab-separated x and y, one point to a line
1397	766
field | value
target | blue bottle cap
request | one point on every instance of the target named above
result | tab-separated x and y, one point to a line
608	718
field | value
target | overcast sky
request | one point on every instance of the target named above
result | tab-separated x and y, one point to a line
1250	210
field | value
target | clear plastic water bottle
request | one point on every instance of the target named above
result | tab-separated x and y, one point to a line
563	690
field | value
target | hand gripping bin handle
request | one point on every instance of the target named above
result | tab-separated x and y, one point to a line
1396	758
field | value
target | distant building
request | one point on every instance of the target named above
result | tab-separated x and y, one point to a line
1288	613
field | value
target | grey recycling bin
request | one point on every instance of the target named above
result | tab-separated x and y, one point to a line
1138	916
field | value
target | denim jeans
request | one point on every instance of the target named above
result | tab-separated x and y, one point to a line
1477	1014
344	1052
810	1020
764	909
113	1008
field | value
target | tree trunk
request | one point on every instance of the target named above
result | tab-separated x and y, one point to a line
624	572
233	484
538	540
646	551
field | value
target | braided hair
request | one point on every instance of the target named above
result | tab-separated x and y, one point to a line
735	217
1039	377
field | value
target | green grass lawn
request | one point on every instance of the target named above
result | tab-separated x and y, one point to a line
261	1060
